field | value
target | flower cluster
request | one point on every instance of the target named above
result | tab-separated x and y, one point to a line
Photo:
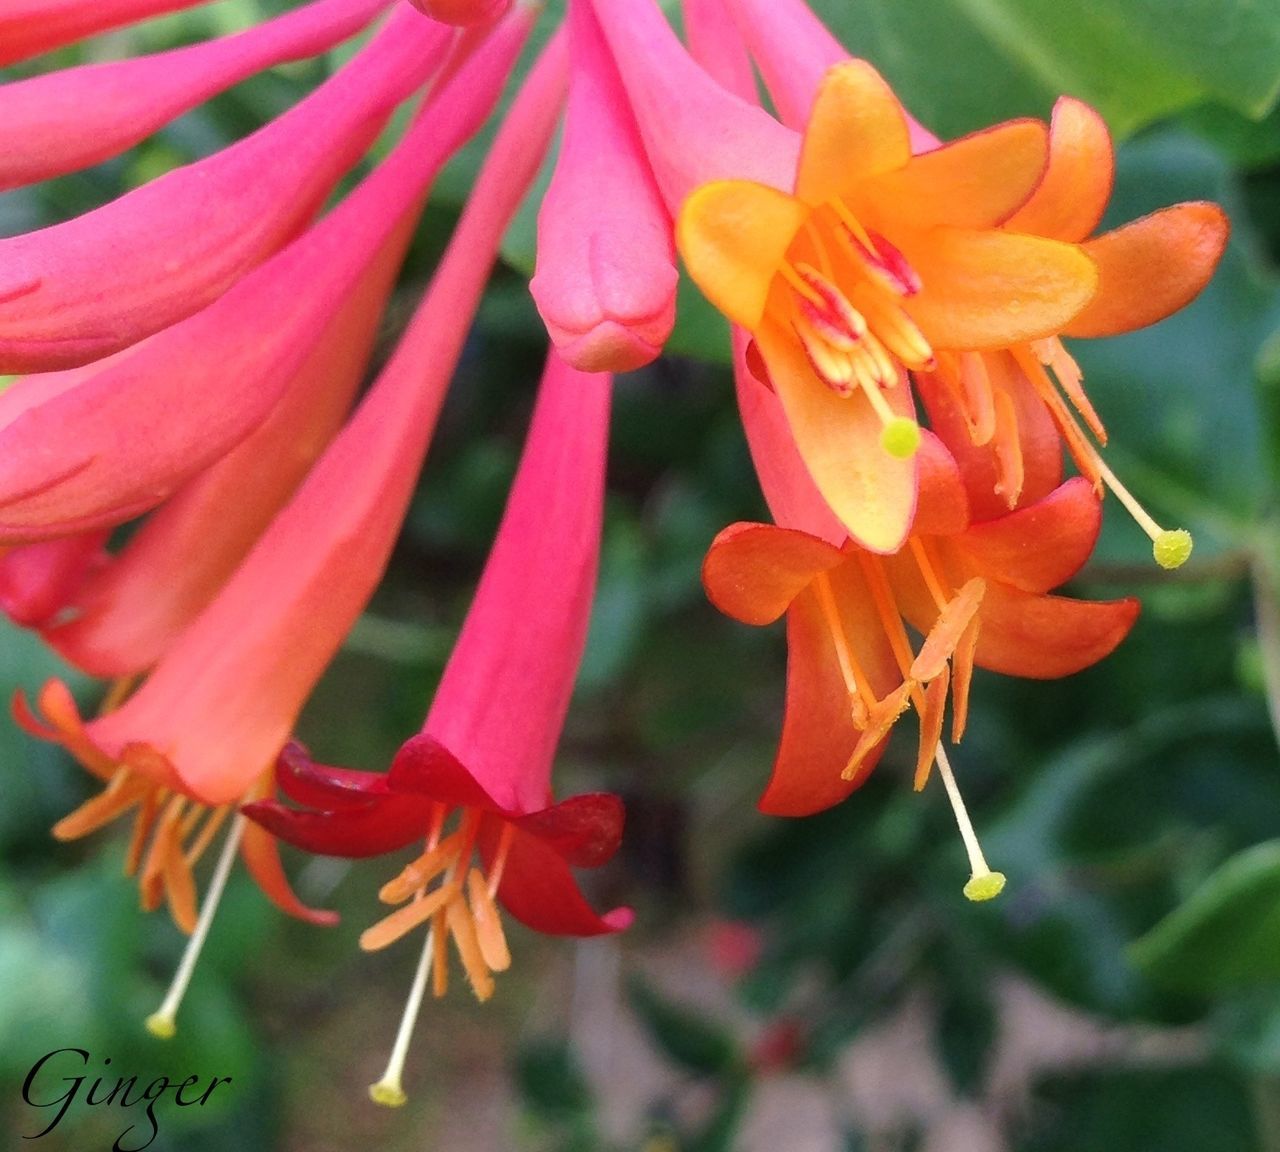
190	357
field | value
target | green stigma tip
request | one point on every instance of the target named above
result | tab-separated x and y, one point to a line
985	887
162	1026
388	1095
1172	547
900	438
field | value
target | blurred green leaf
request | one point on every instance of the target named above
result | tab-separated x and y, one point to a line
687	1037
1227	934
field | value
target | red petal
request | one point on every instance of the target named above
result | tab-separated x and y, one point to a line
378	826
1040	546
753	572
1043	637
942	507
539	890
583	830
261	856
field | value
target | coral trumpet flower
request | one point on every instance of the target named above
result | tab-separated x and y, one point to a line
976	592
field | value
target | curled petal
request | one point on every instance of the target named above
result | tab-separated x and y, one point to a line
1070	200
1044	637
584	830
1152	267
1041	545
753	572
261	855
462	12
383	825
37	581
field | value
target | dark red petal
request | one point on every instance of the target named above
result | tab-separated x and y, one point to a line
425	767
378	826
583	830
321	786
539	890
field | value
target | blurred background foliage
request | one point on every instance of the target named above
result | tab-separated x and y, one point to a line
801	984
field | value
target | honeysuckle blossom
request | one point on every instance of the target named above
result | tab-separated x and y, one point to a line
487	745
204	729
899	254
977	591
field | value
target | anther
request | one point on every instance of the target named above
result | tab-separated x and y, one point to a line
1171	547
983	883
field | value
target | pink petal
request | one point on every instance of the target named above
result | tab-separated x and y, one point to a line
99	445
62	121
606	277
715	44
29	27
104	280
502	701
693	130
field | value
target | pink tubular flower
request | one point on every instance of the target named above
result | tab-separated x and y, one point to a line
606	278
463	12
192	392
206	726
487	745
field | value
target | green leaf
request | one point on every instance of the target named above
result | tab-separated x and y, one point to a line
1227	935
690	1039
960	64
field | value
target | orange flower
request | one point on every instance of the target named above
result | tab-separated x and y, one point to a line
976	592
882	262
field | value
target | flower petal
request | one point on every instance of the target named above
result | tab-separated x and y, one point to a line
753	572
818	733
871	492
1070	200
583	830
973	182
261	855
1043	637
942	508
733	236
29	27
377	826
989	289
1039	546
857	130
539	890
1152	267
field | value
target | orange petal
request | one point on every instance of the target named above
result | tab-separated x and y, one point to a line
818	734
753	571
1043	637
990	289
945	634
872	493
973	182
732	236
1070	200
935	703
857	129
1152	267
1041	545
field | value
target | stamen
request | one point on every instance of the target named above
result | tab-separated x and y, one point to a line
962	677
123	791
421	871
163	1023
1171	547
389	1091
892	266
1008	447
403	920
832	303
855	680
213	821
945	634
463	930
931	716
983	883
931	579
488	923
793	278
1070	379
